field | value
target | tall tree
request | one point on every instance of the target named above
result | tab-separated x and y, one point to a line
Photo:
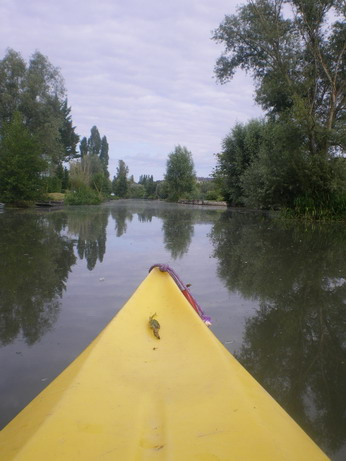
37	91
20	162
12	75
68	136
83	147
298	63
104	157
94	141
180	175
296	52
239	150
120	183
41	102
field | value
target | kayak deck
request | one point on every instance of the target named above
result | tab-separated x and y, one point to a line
132	396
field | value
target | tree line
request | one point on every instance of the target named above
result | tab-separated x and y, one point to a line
292	159
38	140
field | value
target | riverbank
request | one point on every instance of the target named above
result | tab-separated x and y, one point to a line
203	202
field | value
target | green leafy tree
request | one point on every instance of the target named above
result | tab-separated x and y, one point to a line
180	175
240	148
104	156
21	165
83	147
68	136
12	77
94	141
120	182
37	92
299	67
149	185
41	104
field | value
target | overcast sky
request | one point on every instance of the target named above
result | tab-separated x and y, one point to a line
141	71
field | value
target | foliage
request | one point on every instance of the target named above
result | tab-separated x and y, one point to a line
162	190
120	183
94	141
83	147
136	191
180	175
89	175
69	138
104	157
295	50
149	185
240	148
83	196
20	162
36	90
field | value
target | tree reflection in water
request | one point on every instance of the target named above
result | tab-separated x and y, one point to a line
178	227
121	215
34	264
90	229
295	345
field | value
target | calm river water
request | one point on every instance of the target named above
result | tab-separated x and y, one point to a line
276	292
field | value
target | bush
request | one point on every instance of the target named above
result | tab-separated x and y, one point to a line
83	196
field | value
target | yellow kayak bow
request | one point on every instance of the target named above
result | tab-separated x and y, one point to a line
136	395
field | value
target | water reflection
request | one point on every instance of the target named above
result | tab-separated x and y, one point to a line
295	344
34	265
121	214
90	229
178	226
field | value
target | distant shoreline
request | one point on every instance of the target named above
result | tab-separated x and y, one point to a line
203	202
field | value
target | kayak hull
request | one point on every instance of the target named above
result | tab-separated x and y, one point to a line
132	396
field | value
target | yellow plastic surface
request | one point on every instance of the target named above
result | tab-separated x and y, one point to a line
131	396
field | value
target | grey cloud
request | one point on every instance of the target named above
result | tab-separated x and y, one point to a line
142	71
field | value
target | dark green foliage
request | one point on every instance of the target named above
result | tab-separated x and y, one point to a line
136	191
36	91
264	165
240	148
89	177
162	190
83	196
180	177
104	157
94	142
69	138
83	147
120	182
147	181
20	162
299	67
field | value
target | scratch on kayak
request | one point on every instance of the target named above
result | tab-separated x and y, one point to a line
217	432
158	447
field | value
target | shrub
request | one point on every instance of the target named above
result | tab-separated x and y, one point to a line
83	196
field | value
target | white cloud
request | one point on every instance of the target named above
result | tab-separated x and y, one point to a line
142	71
